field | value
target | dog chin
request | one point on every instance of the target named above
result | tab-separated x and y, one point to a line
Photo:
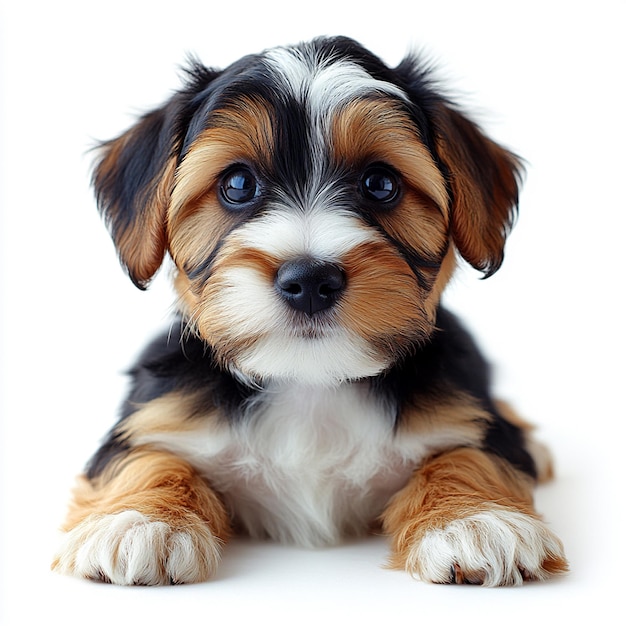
321	361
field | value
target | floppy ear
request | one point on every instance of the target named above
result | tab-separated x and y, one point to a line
133	181
483	179
134	178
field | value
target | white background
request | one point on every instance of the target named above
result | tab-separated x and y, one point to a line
546	78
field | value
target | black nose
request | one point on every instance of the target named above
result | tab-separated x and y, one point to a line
308	285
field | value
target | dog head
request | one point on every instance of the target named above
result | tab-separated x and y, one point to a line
312	200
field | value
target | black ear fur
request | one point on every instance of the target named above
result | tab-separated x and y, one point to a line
134	175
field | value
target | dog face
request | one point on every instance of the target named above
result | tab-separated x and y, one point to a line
312	200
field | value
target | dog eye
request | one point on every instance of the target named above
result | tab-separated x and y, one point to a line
380	184
239	186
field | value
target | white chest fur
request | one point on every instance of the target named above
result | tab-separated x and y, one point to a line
306	465
314	464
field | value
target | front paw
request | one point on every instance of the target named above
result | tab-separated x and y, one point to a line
128	548
495	547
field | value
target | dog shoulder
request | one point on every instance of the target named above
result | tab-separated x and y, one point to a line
444	396
175	383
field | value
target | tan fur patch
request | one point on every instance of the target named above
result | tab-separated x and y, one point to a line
173	412
197	230
458	415
452	486
484	182
446	270
203	305
366	131
156	484
382	297
141	246
241	133
235	254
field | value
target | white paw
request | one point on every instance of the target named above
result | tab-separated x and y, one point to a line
129	548
493	548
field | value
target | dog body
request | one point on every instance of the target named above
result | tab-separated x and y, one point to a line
313	202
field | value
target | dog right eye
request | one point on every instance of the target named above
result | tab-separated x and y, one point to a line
380	184
239	186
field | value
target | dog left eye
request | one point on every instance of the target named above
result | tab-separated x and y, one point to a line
239	186
380	184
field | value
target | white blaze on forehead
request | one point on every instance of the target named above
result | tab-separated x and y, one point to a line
325	84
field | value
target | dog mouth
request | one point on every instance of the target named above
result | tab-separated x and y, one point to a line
312	353
314	326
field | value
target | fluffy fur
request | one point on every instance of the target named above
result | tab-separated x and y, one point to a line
314	202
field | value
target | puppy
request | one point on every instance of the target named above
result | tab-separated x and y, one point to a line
313	202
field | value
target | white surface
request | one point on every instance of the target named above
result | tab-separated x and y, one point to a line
546	79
